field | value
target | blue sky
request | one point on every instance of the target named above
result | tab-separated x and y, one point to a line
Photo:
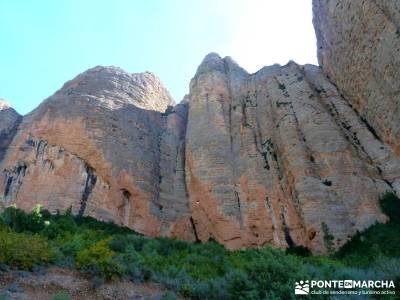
47	42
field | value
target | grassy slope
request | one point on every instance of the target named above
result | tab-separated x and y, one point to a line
197	271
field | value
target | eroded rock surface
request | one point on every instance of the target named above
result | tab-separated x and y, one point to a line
358	48
100	145
271	156
9	121
290	155
277	157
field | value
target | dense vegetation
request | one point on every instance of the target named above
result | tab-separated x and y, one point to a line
199	271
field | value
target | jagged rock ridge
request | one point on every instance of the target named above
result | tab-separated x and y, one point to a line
283	156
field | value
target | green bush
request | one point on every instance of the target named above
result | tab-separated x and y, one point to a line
377	240
99	259
21	221
194	270
24	250
60	226
299	251
106	228
390	205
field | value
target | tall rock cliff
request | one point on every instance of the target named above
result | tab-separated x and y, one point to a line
101	145
284	156
278	157
358	49
9	121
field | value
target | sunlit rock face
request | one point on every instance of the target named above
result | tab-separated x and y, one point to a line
358	48
9	121
271	156
286	156
101	145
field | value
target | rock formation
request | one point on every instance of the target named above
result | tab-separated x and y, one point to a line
287	156
9	121
358	49
101	145
287	153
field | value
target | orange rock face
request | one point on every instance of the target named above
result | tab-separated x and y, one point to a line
271	156
94	147
283	156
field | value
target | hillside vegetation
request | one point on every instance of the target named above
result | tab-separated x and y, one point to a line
199	271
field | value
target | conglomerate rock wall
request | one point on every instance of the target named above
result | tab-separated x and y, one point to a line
284	156
95	146
287	153
359	50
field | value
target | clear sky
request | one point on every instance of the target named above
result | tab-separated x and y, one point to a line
44	43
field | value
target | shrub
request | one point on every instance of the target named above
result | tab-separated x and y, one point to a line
241	286
70	243
21	221
269	272
299	251
364	247
99	259
107	228
59	226
121	242
377	240
390	205
24	250
196	271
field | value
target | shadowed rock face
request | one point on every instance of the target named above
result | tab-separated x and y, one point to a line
284	156
9	121
358	48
